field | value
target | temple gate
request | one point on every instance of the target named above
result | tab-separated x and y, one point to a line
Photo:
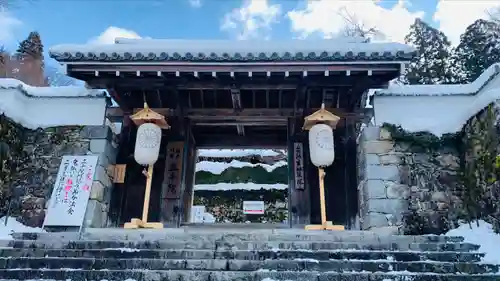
225	94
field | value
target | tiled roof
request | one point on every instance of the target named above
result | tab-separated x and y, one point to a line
148	50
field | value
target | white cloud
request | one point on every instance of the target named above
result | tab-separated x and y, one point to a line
327	18
111	33
8	23
252	20
453	17
195	3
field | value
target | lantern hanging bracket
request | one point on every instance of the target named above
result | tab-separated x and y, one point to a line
321	116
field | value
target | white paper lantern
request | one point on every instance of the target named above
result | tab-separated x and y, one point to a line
321	146
147	144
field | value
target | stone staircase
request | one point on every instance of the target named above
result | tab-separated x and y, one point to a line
212	255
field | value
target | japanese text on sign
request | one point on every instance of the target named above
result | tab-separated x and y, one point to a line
173	170
71	191
298	165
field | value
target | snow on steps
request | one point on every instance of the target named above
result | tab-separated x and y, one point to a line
208	255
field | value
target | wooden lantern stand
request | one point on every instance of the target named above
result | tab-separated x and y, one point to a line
322	116
147	115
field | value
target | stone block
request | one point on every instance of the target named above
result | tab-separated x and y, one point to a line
101	175
95	215
374	220
371	133
100	146
97	191
387	206
97	132
390	159
397	191
375	189
379	172
378	147
384	134
371	159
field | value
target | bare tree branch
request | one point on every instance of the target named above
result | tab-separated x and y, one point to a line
356	28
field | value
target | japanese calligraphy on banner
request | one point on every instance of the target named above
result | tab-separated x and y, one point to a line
173	170
71	192
298	165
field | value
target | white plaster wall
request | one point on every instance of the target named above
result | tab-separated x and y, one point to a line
438	109
42	112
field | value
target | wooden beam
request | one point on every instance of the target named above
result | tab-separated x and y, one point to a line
241	123
242	83
245	68
207	114
248	141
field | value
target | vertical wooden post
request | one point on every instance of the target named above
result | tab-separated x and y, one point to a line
321	172
147	194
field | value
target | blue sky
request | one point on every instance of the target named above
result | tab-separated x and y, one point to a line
78	21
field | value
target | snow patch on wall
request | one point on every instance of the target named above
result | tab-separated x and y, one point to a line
218	167
235	152
439	109
42	107
239	186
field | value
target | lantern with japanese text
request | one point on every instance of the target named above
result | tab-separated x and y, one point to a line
321	145
320	125
147	144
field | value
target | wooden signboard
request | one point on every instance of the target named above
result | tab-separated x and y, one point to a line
298	165
71	192
173	170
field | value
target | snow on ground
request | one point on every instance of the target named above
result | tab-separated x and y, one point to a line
14	226
482	235
218	167
239	186
235	152
62	91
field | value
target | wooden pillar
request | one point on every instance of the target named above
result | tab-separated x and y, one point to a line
174	175
299	195
188	177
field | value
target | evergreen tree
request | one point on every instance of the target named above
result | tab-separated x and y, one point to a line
479	48
432	65
31	46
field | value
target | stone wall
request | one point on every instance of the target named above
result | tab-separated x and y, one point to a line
38	161
403	187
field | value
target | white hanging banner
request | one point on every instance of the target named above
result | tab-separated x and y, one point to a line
298	165
71	191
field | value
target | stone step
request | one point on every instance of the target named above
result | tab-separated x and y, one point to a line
248	265
187	275
244	255
247	245
275	235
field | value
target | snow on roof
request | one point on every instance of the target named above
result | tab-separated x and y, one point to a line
236	50
42	107
218	167
224	153
48	92
239	186
442	90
